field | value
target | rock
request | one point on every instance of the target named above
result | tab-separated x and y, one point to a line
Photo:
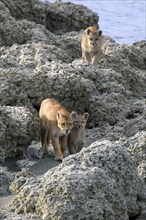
20	127
40	56
136	146
25	163
38	64
57	18
100	182
6	179
23	9
7	215
128	123
142	215
66	17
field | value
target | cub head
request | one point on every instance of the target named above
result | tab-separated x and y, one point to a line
65	123
93	35
80	121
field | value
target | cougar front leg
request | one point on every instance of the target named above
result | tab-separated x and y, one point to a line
43	135
72	148
95	60
80	146
85	57
57	148
48	138
63	144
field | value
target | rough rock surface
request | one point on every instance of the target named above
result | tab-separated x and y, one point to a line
19	126
113	98
100	182
40	57
136	146
5	180
28	20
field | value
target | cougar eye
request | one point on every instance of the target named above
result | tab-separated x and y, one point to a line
63	124
70	124
77	121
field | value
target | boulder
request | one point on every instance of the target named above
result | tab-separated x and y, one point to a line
38	64
40	56
136	146
19	128
22	21
6	179
7	215
100	182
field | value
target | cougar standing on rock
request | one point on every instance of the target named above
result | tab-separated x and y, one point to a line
91	45
56	123
77	136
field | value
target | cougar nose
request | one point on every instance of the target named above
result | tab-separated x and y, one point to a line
67	132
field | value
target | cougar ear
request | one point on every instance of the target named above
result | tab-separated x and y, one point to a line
73	115
100	32
86	116
59	116
88	31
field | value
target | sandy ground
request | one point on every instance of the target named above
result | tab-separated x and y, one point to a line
39	168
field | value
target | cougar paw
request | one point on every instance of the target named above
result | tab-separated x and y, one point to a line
59	158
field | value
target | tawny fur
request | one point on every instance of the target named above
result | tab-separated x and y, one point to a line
56	123
91	45
77	136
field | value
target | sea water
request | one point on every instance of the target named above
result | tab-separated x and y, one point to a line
123	20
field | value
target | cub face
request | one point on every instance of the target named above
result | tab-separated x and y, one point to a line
80	121
93	37
65	123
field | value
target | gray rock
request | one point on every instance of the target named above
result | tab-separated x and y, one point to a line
136	147
34	151
25	163
6	179
100	182
20	126
142	215
7	215
57	18
37	64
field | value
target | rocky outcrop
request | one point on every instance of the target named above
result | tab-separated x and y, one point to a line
36	71
136	147
36	63
100	182
19	126
6	179
28	20
40	57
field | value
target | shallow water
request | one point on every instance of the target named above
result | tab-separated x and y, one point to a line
123	20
